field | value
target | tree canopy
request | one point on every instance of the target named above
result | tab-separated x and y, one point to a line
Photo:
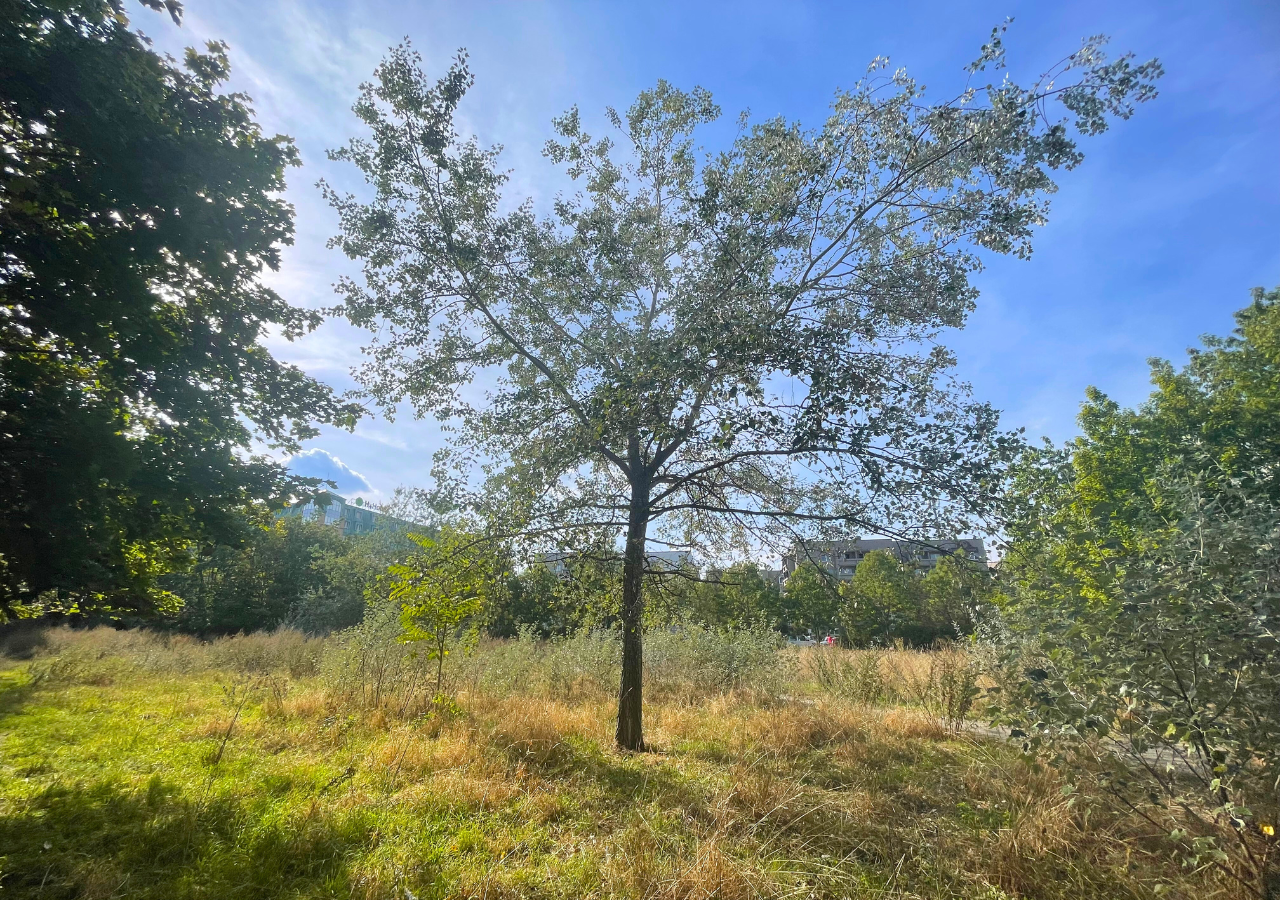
1143	583
733	347
138	208
1216	420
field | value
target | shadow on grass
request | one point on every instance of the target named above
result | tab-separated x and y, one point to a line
622	781
102	841
15	691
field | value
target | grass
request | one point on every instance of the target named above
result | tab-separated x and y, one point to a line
137	766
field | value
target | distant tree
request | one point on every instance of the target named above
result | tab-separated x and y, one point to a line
810	602
884	601
528	600
138	206
736	596
292	572
742	597
581	593
725	347
954	591
254	585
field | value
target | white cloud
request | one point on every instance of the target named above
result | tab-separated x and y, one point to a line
317	463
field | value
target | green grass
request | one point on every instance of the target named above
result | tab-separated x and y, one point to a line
111	785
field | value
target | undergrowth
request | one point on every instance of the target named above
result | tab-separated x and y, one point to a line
138	765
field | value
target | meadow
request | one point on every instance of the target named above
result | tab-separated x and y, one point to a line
139	764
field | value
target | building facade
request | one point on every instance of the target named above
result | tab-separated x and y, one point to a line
840	558
328	508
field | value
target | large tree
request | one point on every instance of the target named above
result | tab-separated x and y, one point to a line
138	207
697	347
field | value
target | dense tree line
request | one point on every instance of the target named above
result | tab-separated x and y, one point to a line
313	577
295	573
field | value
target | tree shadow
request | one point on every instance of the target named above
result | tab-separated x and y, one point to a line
102	840
14	695
622	781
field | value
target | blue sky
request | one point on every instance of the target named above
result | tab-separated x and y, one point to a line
1152	242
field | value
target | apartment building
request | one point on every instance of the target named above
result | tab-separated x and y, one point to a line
840	558
327	508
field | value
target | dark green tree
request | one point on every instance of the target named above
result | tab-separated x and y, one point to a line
955	593
737	596
883	602
810	602
306	575
138	207
256	584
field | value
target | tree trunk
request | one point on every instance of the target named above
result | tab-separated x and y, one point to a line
630	730
439	671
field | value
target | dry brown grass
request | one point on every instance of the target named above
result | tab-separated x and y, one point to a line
712	874
513	795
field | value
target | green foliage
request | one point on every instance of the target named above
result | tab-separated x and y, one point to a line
638	329
1145	594
811	602
956	594
305	574
1217	418
883	602
1175	670
529	599
735	597
439	589
138	208
888	600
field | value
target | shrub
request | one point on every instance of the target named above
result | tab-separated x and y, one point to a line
1168	670
369	667
851	675
942	682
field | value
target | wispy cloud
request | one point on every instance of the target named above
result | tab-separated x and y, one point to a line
1152	241
379	436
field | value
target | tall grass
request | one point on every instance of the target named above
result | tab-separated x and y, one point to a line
274	765
682	663
104	655
369	667
944	682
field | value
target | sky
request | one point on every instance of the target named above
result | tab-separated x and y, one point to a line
1152	242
